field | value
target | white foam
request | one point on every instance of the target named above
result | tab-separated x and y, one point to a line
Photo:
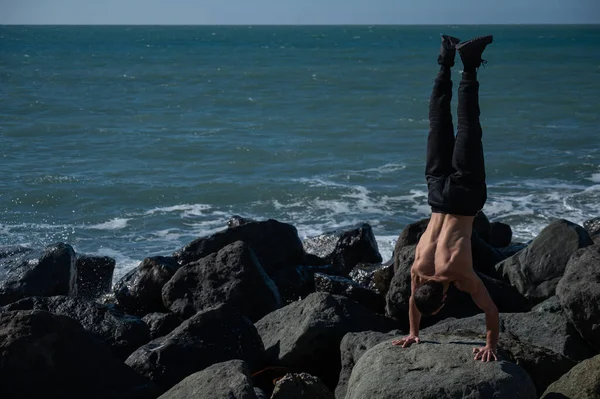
113	224
191	209
595	178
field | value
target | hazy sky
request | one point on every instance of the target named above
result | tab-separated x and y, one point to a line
298	11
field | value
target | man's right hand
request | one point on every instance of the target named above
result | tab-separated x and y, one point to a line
407	341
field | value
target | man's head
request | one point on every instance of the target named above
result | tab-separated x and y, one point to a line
429	297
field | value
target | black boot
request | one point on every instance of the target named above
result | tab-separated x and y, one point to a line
448	51
470	52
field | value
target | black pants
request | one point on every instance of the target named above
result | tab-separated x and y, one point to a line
455	169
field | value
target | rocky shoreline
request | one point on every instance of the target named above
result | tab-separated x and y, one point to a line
254	312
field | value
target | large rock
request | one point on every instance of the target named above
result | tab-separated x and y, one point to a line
139	292
231	276
297	282
500	235
211	336
536	270
582	382
344	249
230	379
343	286
375	276
440	367
43	355
592	226
161	324
122	332
301	386
93	276
353	346
579	293
306	335
275	244
26	272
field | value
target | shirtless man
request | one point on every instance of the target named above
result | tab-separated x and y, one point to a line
457	191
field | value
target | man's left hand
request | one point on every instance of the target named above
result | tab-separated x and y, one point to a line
485	354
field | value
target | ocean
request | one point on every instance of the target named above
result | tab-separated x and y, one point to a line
130	141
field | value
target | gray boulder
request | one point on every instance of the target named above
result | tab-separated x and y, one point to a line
500	235
231	276
353	346
345	248
439	367
579	293
93	276
211	336
26	272
43	355
139	292
161	324
337	285
592	226
536	270
276	245
122	332
582	382
305	335
230	379
301	386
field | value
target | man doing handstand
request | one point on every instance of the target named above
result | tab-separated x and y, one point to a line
455	175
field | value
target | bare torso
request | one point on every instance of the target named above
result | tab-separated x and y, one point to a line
444	251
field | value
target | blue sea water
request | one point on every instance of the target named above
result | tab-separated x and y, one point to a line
132	141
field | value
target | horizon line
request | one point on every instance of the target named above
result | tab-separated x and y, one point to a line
308	24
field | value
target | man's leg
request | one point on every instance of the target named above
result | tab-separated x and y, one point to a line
468	159
440	141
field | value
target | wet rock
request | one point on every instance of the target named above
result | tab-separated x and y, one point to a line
276	245
122	332
211	336
500	235
353	346
582	382
301	386
161	324
440	367
306	335
139	292
343	286
25	272
231	276
579	293
536	270
344	249
230	379
592	226
43	355
93	276
237	220
296	282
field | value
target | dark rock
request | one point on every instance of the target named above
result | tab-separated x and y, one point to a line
375	276
237	220
94	276
295	282
382	278
260	394
550	305
344	249
230	379
536	270
441	367
482	226
543	365
301	386
211	336
161	324
543	329
43	355
276	245
25	272
592	226
139	292
343	286
579	293
500	235
582	382
306	335
353	346
512	249
596	239
404	250
122	332
231	276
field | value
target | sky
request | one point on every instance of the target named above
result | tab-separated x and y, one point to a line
326	12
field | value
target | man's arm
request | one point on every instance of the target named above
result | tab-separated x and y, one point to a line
482	299
414	317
